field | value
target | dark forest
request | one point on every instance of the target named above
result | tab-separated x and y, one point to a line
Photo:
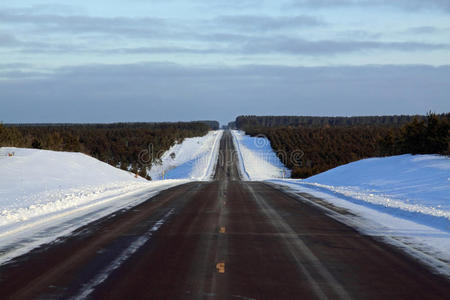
118	144
327	142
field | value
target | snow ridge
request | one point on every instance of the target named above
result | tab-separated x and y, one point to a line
242	170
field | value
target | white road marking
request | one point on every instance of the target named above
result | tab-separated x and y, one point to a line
138	243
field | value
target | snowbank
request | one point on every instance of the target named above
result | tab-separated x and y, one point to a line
413	187
402	198
35	182
257	160
195	158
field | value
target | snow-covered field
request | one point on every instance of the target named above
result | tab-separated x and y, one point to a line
257	159
46	194
403	199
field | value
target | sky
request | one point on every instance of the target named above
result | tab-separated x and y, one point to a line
174	60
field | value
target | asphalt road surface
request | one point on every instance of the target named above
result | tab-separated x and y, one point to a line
224	239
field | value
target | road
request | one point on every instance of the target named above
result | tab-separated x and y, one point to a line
224	239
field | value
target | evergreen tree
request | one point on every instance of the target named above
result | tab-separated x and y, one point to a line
143	173
36	144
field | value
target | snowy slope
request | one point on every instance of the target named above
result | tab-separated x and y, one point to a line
38	169
194	158
34	182
413	187
257	160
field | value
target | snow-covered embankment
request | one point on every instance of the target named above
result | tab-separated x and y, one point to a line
194	159
257	160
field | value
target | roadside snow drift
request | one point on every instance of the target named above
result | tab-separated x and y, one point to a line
195	158
413	187
35	182
257	160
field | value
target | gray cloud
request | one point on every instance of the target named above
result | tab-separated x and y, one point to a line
14	65
161	91
39	32
229	41
360	35
235	5
266	23
49	8
22	75
8	40
423	30
50	23
231	44
154	27
290	46
165	50
325	47
411	5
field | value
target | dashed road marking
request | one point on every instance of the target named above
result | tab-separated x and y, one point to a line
220	267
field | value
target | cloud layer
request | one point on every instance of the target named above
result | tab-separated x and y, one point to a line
103	61
242	34
411	5
164	91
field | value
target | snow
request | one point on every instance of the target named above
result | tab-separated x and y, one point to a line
35	182
193	159
257	160
413	187
47	194
404	200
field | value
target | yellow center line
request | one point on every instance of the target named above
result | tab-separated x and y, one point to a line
220	267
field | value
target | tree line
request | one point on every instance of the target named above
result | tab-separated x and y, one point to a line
243	122
339	141
118	144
